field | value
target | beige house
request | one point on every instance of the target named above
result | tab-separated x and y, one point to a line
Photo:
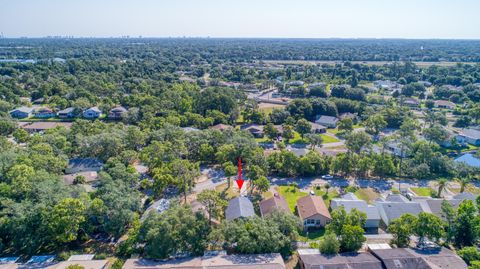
313	212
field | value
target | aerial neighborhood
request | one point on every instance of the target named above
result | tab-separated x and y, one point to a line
239	153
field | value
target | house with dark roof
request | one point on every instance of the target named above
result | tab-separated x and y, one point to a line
328	121
221	127
66	113
396	205
470	136
21	112
313	212
239	207
444	104
42	126
313	259
92	113
83	165
275	203
349	201
117	113
255	129
407	258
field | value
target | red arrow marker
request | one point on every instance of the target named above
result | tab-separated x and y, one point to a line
240	183
239	179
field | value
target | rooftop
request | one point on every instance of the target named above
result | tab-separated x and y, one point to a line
468	159
265	261
311	205
239	207
277	202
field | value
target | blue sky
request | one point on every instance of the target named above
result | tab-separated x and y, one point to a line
242	18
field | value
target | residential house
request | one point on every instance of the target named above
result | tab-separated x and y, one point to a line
83	165
434	205
21	112
221	261
329	121
255	129
425	83
470	136
466	196
8	260
444	104
92	113
89	176
394	206
297	83
275	203
313	212
66	113
348	115
349	201
44	113
396	149
312	259
221	127
468	159
386	84
239	207
417	258
85	261
411	102
86	264
318	128
190	129
117	113
42	126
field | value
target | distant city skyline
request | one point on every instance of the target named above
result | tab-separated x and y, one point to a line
410	19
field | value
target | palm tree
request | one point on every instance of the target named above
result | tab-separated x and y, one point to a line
327	187
463	183
441	185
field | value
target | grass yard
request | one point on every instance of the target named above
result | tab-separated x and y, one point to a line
311	236
291	195
329	139
422	191
331	194
229	192
367	194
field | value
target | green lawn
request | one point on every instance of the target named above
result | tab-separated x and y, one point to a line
333	131
367	194
311	236
331	194
422	191
329	139
291	195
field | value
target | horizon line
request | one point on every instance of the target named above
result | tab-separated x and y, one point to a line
232	37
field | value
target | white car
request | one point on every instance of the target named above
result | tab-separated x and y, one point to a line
327	177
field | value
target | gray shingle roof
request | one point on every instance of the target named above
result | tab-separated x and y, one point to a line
23	109
327	119
340	261
349	201
239	207
472	133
